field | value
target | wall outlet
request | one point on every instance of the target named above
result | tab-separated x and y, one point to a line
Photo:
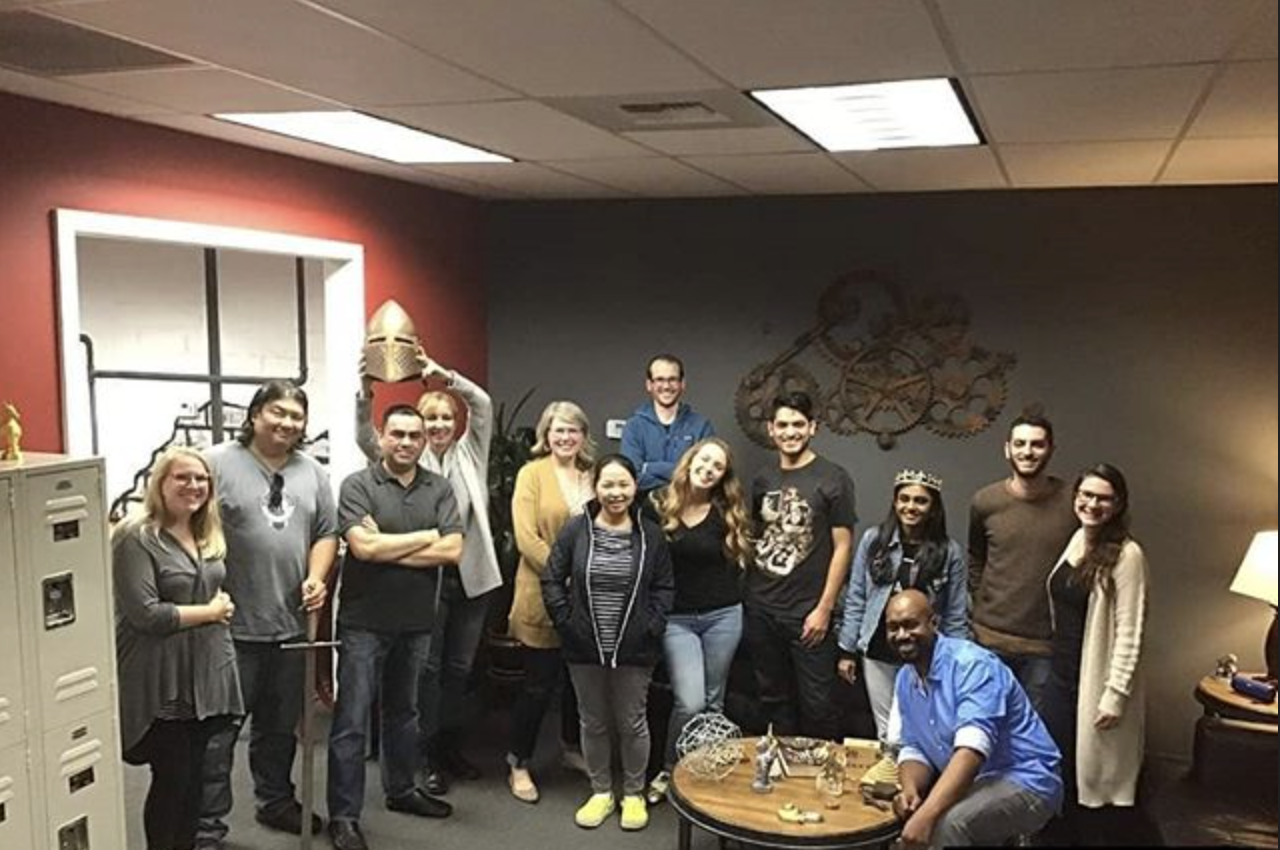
613	428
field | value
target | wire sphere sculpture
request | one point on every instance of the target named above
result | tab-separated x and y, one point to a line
710	746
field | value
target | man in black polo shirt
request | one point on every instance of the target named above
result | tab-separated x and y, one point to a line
401	525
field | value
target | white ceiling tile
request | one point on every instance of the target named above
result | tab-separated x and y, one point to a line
926	170
1223	161
1030	35
781	174
522	129
201	91
72	95
743	140
1083	164
1260	42
653	176
291	43
1242	103
526	178
544	48
763	43
240	134
1145	103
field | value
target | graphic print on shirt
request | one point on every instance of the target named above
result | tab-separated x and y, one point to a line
277	507
786	538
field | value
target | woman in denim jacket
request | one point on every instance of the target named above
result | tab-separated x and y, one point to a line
910	549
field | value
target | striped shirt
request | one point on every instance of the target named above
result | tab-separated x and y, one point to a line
609	583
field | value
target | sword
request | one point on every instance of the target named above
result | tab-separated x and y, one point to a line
311	646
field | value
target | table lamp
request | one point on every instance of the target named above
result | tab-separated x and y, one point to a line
1256	577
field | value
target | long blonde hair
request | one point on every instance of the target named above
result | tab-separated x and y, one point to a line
728	497
571	413
206	523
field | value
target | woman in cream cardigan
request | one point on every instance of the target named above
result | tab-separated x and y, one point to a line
549	490
1096	705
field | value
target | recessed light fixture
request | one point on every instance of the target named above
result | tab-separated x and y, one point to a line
363	134
873	116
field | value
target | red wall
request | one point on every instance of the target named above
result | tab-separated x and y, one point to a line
422	247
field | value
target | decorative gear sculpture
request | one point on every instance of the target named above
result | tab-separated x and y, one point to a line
902	364
760	387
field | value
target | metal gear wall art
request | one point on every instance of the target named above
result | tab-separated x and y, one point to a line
898	362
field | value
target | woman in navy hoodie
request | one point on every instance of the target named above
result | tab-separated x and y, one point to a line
608	587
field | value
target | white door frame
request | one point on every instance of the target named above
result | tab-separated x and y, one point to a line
343	269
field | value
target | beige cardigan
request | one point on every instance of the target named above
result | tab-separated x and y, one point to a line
538	512
1108	762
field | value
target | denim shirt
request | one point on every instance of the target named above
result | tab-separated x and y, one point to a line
865	600
971	699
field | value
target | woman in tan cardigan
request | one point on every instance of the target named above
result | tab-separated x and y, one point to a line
549	489
1096	706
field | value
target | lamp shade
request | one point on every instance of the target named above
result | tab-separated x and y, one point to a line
1256	576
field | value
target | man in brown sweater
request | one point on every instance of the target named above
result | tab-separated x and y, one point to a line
1017	529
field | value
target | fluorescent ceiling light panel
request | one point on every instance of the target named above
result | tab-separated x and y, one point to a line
363	134
875	116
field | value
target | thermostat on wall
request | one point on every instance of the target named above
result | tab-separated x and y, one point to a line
613	428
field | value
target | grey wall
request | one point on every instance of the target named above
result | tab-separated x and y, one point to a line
1145	320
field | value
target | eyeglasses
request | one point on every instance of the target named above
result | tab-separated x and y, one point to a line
1100	498
275	498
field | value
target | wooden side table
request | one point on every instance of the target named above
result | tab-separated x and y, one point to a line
730	809
1234	732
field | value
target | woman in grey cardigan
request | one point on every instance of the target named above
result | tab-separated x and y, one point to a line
178	680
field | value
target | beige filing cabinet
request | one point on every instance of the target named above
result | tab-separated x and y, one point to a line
60	770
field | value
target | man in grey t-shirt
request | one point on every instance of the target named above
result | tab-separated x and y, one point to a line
280	521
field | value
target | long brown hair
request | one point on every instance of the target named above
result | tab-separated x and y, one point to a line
1097	567
728	497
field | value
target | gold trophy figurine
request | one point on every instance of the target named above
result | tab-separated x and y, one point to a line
12	433
391	346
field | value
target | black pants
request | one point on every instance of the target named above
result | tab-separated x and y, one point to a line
544	672
1077	826
796	683
174	749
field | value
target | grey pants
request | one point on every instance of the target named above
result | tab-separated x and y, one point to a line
994	811
612	702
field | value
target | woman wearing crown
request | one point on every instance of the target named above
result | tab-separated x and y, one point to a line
910	549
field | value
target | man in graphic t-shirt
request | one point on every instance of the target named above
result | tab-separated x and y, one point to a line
803	511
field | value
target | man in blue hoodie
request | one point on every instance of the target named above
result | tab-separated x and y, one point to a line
662	429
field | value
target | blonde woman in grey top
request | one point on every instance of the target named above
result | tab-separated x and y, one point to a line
178	680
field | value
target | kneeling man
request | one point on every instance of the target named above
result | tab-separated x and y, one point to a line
977	765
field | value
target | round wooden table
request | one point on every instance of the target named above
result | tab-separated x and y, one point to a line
730	809
1218	697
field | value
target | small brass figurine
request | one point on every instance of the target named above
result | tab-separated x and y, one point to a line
12	433
830	781
1228	666
791	813
767	751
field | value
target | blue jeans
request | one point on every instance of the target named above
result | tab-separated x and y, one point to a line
994	811
699	650
271	682
442	691
1032	672
372	664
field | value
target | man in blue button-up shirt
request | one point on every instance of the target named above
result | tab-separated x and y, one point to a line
977	765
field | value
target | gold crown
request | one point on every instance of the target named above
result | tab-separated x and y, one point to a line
918	476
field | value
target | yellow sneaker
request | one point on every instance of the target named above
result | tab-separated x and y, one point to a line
595	811
635	813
